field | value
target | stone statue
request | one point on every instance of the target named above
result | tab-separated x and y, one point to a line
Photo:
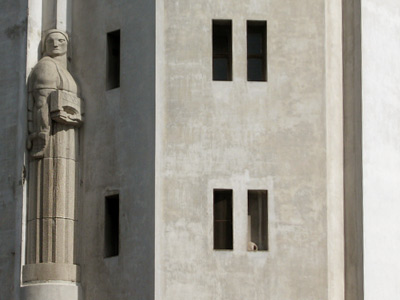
54	117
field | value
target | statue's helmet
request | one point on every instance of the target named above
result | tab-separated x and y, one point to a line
47	34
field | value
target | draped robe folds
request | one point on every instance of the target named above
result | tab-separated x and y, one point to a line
54	116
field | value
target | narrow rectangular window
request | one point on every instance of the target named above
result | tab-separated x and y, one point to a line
223	231
222	50
257	220
256	51
113	59
111	226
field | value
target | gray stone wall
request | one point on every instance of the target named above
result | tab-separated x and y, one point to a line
352	158
118	144
12	127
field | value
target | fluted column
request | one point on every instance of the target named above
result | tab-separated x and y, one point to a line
52	210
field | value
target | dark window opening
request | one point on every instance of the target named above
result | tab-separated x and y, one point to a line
111	226
257	220
256	51
223	231
222	50
113	59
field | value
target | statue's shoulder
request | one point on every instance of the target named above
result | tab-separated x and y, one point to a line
44	75
45	67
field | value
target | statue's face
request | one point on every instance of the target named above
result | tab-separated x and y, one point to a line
56	44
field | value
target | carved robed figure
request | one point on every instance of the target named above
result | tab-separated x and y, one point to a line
54	117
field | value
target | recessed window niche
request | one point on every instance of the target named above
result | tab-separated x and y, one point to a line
111	226
222	49
256	50
223	231
257	218
113	59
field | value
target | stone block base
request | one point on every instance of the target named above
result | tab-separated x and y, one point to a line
51	291
50	271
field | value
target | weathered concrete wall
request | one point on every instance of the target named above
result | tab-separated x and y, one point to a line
118	146
381	147
12	116
241	135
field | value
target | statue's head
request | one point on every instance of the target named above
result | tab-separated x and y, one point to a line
55	43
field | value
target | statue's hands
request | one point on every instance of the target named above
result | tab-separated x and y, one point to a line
29	143
36	143
31	137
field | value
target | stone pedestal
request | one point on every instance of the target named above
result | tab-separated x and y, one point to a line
50	271
51	291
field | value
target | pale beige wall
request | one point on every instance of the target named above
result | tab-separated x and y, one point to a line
241	135
381	147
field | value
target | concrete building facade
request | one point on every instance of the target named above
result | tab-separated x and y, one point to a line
162	139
